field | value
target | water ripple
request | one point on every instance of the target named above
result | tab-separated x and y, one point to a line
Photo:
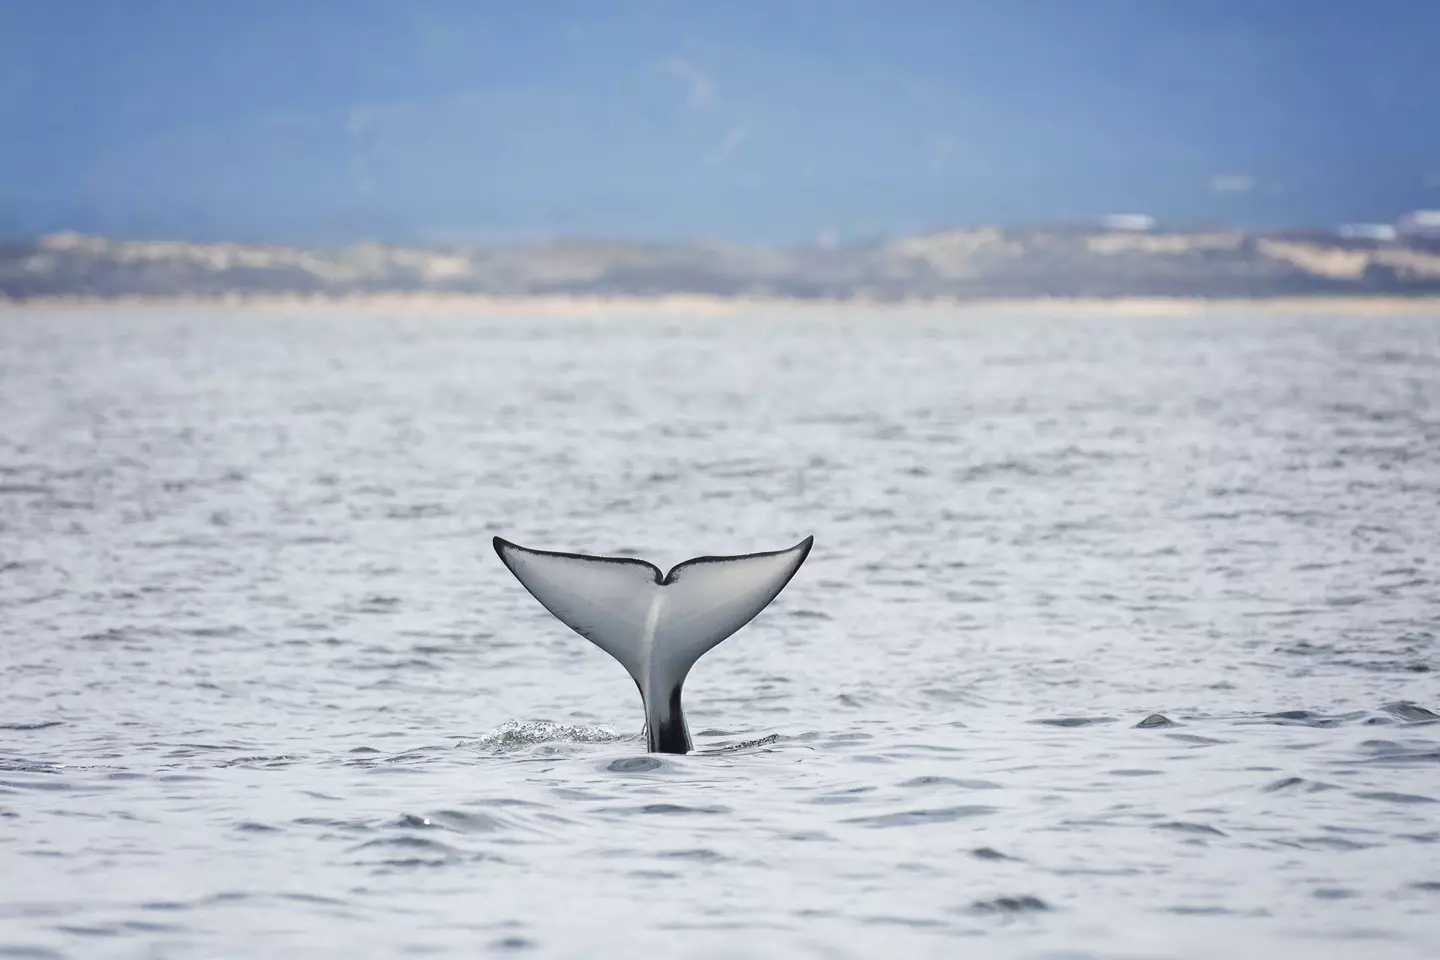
1118	638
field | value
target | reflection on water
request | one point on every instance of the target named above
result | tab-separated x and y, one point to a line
1117	640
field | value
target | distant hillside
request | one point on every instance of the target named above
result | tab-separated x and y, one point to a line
958	264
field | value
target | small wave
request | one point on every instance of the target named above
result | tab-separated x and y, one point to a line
909	818
1020	904
1410	712
1073	721
517	734
764	741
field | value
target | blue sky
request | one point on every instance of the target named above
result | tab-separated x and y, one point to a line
778	121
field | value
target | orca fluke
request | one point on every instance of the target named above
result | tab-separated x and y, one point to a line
657	625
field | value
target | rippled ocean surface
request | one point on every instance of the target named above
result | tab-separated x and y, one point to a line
1118	639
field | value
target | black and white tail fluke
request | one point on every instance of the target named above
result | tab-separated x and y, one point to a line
656	625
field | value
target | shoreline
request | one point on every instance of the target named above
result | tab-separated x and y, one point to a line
698	305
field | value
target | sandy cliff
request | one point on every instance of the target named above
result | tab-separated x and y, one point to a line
970	264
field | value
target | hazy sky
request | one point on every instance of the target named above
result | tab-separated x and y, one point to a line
774	120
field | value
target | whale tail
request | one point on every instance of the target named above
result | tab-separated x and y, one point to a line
656	625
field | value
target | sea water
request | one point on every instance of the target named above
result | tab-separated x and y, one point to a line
1118	638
